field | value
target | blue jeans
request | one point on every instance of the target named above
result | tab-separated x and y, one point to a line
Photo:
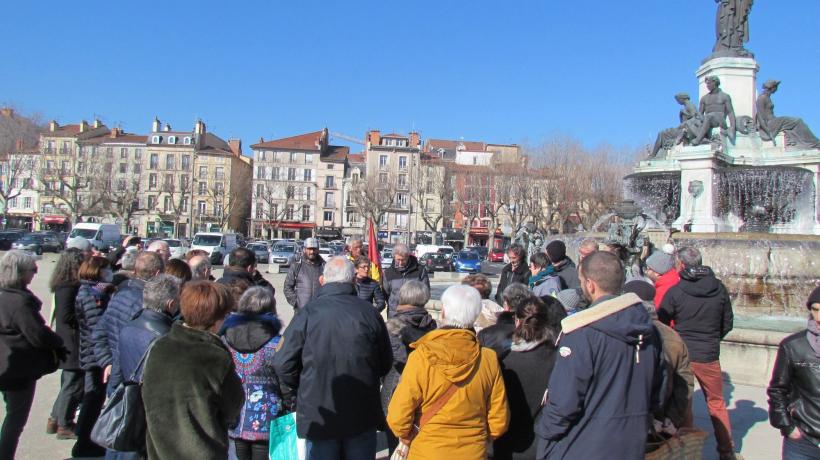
359	447
802	449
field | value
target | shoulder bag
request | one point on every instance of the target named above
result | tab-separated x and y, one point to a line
403	449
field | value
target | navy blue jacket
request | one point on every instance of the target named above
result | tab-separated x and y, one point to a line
90	306
135	338
606	380
368	289
122	308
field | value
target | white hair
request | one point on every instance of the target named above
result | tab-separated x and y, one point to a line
157	244
401	249
339	270
460	306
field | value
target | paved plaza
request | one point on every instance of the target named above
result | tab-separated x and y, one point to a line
753	435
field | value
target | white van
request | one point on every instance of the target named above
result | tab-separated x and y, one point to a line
216	244
101	236
423	249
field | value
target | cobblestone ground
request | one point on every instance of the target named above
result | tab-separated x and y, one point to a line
747	404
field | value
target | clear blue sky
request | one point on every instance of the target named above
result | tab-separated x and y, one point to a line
602	71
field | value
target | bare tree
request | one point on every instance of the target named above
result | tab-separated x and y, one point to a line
432	192
274	198
16	175
471	197
374	195
81	190
123	201
18	132
175	202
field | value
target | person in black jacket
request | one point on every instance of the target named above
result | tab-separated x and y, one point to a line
64	284
92	300
499	335
794	391
335	351
242	264
514	272
562	265
405	267
526	370
366	287
28	349
702	311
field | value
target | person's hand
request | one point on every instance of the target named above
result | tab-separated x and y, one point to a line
795	434
106	373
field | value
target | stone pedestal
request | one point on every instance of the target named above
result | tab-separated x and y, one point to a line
697	198
738	78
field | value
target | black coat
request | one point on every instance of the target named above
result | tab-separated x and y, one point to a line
794	391
371	291
394	279
135	338
404	328
65	323
526	375
702	310
568	272
28	348
255	279
499	335
335	351
508	276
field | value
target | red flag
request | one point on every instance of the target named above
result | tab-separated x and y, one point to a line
373	254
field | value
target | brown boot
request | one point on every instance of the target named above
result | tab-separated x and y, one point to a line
66	432
51	426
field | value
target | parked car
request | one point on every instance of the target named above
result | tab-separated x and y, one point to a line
37	244
481	250
386	257
435	262
496	255
282	253
423	249
101	236
216	244
178	248
326	253
8	238
467	262
261	251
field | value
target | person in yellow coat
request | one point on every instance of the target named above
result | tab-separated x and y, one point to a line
449	366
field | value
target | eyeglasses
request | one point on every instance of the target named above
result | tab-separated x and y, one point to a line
363	266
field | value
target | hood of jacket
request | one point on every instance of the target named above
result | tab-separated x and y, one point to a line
699	282
453	352
230	274
615	317
247	333
411	265
417	317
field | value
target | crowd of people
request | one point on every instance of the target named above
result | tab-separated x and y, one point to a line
567	360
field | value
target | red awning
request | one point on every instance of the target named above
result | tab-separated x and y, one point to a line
54	219
292	225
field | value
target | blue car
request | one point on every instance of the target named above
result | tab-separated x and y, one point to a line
468	262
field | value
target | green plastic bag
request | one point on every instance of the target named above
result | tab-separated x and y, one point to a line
284	443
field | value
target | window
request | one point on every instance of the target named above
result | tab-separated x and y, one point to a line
330	166
154	162
123	153
219	188
50	166
328	216
329	201
123	168
308	193
260	172
156	139
186	140
13	202
109	152
137	168
185	205
260	190
429	187
306	213
186	162
292	157
329	182
262	155
402	163
170	162
275	173
203	188
308	175
27	202
383	178
383	219
121	184
291	173
137	154
80	167
200	207
401	200
28	183
218	209
152	202
172	139
290	192
64	167
219	172
382	161
401	220
428	205
289	213
168	206
203	172
183	182
353	217
169	182
259	210
403	180
308	158
152	181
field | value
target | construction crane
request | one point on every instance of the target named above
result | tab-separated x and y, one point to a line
347	138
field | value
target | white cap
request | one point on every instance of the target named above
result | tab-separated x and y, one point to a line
311	243
78	242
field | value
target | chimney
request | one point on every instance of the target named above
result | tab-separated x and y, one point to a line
199	127
374	137
83	126
261	139
414	139
322	144
115	132
97	123
7	112
19	145
52	126
167	127
155	125
236	146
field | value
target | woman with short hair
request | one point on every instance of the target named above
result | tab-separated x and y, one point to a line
252	337
366	287
28	348
543	282
92	299
454	383
190	388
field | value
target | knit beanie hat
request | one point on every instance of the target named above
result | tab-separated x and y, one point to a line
556	251
814	297
660	262
569	298
643	289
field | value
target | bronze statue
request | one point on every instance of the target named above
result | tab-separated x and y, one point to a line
716	107
798	134
732	28
688	129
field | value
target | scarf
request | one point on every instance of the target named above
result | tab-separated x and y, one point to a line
813	334
539	277
520	345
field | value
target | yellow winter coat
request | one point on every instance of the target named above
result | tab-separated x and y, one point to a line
476	414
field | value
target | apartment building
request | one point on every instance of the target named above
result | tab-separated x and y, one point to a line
297	187
19	188
353	222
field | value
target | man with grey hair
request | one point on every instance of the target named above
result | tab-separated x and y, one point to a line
354	248
336	350
160	302
160	247
587	247
405	267
200	268
702	311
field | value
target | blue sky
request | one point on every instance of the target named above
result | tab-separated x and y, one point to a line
519	71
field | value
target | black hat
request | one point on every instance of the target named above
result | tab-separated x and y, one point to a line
556	251
643	289
814	297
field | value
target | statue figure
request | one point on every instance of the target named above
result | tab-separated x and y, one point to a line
798	134
732	28
536	243
716	107
522	236
690	121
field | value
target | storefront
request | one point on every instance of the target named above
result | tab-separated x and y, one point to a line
454	238
54	223
160	228
19	221
329	233
300	230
